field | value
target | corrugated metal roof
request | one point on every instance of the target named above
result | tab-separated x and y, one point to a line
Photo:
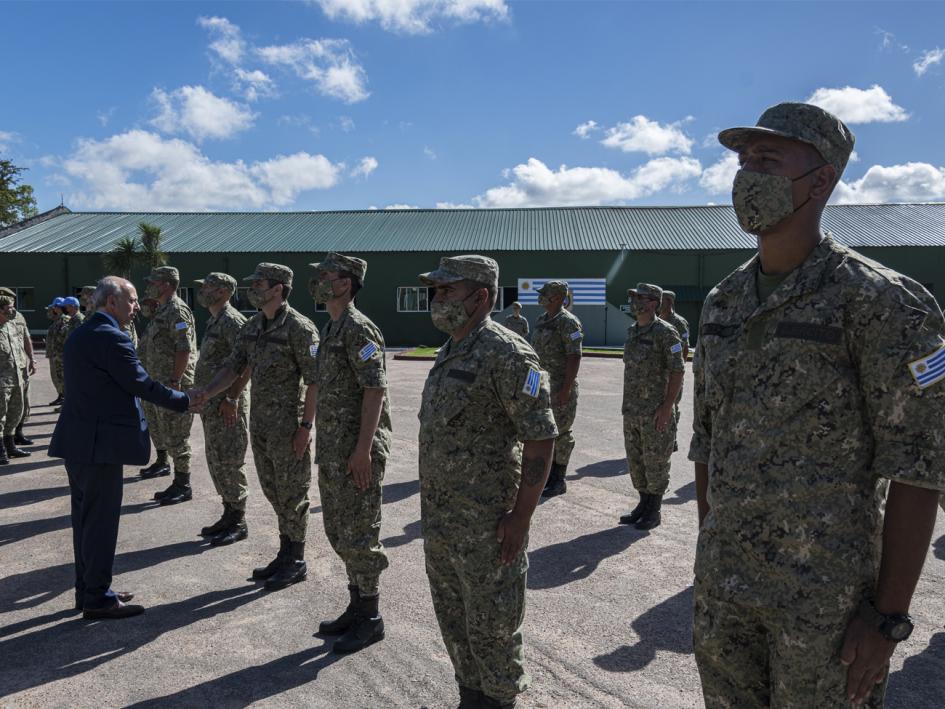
541	229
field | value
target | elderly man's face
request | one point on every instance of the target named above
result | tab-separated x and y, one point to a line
125	304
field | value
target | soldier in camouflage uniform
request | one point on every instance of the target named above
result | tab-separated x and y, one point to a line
668	313
11	381
652	377
280	346
24	358
352	444
225	418
161	465
516	322
557	340
818	373
486	443
170	349
71	308
54	344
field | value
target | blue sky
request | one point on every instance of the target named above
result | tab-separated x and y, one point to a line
353	104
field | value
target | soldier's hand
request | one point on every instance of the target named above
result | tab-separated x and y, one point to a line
359	468
300	441
866	654
32	367
662	417
511	534
228	411
198	398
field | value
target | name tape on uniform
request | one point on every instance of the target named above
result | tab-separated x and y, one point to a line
366	352
180	326
532	382
929	369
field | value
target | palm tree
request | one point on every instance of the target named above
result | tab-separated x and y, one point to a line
151	254
122	258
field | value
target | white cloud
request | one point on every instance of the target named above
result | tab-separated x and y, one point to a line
254	83
535	185
346	124
401	206
453	205
852	105
7	137
717	178
429	152
330	64
414	16
365	167
105	116
199	113
139	170
927	60
228	43
854	157
911	182
641	135
584	130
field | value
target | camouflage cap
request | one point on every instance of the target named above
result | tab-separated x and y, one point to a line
799	121
669	294
88	290
334	261
8	292
273	272
5	300
515	304
646	290
164	274
554	288
215	279
473	267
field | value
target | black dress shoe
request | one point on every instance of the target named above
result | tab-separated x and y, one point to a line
55	402
119	610
123	596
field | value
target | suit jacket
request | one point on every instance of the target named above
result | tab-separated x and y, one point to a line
100	420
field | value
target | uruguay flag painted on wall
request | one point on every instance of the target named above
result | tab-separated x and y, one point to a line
587	291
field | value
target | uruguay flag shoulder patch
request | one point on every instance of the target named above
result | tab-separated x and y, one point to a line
180	326
676	348
313	350
929	369
366	352
532	382
577	335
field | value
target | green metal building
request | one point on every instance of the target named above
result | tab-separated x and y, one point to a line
687	249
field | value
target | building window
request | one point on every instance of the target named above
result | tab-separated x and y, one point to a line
186	294
241	302
25	298
413	299
505	297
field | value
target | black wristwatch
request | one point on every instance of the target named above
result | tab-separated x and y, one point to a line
895	626
306	424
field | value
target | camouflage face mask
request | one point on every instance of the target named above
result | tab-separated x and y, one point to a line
763	201
322	289
450	315
152	290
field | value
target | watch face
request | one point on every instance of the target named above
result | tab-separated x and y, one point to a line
900	631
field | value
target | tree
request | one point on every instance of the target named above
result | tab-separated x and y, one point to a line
122	258
16	200
151	254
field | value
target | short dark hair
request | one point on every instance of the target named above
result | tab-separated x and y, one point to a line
286	288
472	285
356	283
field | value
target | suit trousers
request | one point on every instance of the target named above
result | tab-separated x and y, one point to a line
96	507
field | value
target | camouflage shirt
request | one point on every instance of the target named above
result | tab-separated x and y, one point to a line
802	403
650	355
555	337
282	354
22	330
219	340
170	331
72	326
483	396
517	324
681	325
55	336
350	360
11	372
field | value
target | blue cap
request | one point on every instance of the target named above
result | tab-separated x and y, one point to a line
71	300
58	301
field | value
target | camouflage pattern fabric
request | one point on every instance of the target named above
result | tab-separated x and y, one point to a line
650	355
23	362
555	337
54	344
482	396
225	446
281	353
682	327
71	326
11	380
517	324
132	333
802	404
351	359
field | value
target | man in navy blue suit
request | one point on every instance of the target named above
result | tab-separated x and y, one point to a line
100	429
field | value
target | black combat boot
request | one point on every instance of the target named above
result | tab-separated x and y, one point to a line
20	439
234	532
345	620
637	512
652	517
221	524
263	572
367	629
11	450
292	570
56	401
556	484
469	698
488	702
158	468
3	456
179	491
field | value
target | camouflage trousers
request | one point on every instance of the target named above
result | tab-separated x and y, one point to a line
564	420
170	431
648	453
25	417
284	478
353	522
11	408
57	374
751	657
225	448
480	607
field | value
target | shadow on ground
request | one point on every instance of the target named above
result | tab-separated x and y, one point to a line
18	531
938	548
601	469
666	626
565	562
687	493
411	532
921	681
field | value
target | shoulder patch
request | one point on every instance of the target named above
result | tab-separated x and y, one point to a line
676	348
313	350
366	352
576	335
180	326
929	369
532	382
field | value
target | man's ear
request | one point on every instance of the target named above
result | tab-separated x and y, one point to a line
825	179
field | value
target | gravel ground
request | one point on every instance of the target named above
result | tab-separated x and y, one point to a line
608	619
